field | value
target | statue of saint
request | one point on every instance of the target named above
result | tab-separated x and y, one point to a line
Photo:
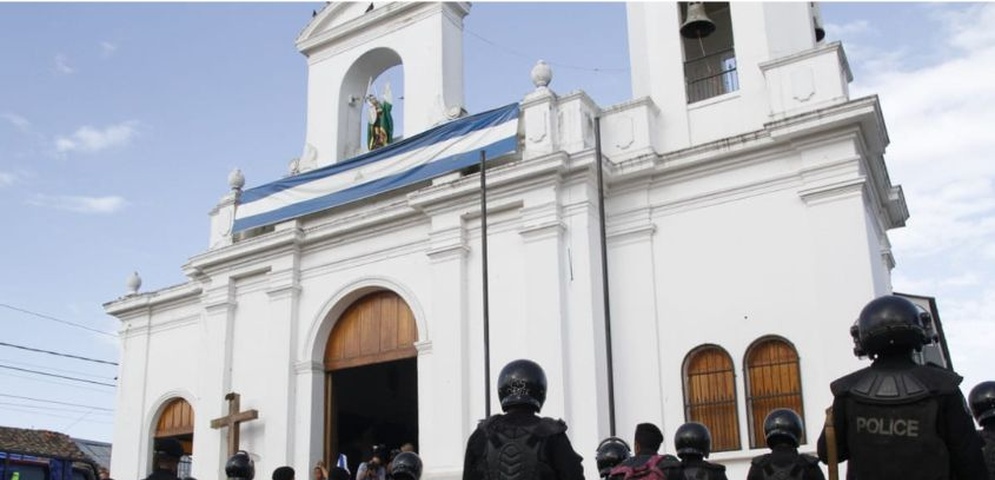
380	129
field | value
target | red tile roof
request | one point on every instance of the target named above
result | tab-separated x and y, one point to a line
41	443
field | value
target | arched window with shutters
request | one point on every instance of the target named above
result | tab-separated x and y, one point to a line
773	380
710	395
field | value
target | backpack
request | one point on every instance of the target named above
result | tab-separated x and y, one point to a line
647	471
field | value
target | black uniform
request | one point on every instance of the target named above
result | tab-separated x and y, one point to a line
521	446
694	468
783	463
899	420
160	474
988	437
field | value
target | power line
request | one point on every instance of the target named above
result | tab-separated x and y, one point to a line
55	402
49	317
67	355
93	420
75	379
57	382
532	57
54	409
53	369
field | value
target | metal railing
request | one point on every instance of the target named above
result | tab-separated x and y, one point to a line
711	75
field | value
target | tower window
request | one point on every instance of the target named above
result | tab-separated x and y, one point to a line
709	58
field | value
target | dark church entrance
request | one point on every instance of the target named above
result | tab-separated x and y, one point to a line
371	384
375	404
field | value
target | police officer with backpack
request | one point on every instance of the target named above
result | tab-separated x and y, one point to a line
783	432
693	442
982	400
895	418
518	444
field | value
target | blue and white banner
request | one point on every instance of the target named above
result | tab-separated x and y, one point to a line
441	150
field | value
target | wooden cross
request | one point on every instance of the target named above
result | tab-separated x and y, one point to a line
232	421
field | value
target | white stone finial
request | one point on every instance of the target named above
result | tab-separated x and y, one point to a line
541	74
133	283
236	180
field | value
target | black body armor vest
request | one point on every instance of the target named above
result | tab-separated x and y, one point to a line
517	452
892	422
794	470
989	450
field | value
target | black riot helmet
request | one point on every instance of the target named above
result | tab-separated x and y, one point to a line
522	382
982	400
890	324
611	452
783	426
693	439
406	466
240	466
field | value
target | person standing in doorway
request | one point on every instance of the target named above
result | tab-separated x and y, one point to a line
165	459
376	467
519	444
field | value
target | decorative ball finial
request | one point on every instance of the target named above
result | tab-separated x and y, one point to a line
541	74
236	180
133	283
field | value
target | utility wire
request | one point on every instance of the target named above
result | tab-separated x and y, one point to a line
54	409
53	381
58	370
90	420
532	57
67	355
75	379
49	317
55	402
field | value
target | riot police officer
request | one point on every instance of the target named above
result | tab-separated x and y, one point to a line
406	466
693	442
240	466
982	400
783	433
611	452
898	419
518	444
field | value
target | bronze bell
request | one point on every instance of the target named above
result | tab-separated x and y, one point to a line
696	22
820	31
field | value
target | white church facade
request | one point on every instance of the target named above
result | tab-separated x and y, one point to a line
747	206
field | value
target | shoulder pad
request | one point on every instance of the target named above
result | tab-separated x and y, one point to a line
889	386
761	460
939	379
842	385
714	466
548	427
809	459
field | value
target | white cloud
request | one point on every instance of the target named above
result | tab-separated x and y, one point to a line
62	65
89	139
107	49
80	204
17	121
853	28
7	178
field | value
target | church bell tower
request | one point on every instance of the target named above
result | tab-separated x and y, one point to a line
722	69
347	44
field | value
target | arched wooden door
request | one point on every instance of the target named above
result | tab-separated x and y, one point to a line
176	422
377	329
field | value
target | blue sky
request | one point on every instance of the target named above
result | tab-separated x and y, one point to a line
119	124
